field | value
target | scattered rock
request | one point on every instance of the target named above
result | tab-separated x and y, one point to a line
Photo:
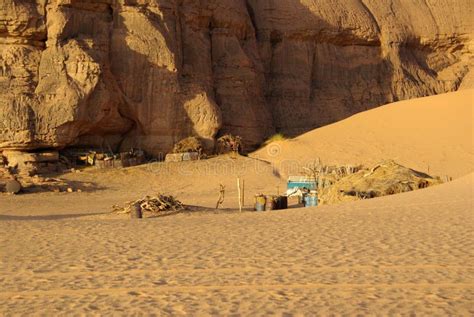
13	187
181	157
29	164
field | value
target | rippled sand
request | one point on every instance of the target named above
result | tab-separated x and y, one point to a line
404	254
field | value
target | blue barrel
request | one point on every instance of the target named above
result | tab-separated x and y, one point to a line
260	202
311	200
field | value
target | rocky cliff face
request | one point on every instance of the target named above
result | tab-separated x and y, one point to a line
147	73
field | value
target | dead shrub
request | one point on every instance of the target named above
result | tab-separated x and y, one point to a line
190	144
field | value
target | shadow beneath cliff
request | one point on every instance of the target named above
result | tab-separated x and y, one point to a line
348	67
61	186
316	72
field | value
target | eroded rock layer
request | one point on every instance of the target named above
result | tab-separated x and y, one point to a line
147	73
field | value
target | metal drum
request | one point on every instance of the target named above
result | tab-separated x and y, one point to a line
136	212
271	203
282	202
260	202
311	200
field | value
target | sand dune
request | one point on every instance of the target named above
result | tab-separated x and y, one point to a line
65	254
432	134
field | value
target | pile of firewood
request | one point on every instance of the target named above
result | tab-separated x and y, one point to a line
155	205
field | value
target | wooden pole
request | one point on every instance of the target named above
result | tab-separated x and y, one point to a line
243	192
240	194
220	201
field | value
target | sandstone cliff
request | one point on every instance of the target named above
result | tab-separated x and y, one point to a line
146	73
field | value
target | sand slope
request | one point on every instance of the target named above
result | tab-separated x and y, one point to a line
394	255
432	134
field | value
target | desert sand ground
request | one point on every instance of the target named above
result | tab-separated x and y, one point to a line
65	254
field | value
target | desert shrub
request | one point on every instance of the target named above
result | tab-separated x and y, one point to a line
229	143
275	138
190	144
